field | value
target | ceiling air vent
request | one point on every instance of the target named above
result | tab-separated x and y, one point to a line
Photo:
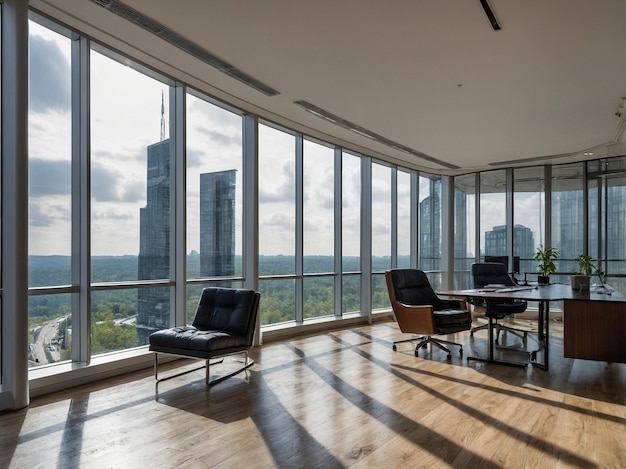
175	39
319	112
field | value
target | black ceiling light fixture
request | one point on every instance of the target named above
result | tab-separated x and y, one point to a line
490	16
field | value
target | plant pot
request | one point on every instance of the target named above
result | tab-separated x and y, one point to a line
543	279
580	282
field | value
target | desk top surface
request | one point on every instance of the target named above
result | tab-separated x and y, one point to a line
550	292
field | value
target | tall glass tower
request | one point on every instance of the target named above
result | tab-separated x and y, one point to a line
217	223
153	304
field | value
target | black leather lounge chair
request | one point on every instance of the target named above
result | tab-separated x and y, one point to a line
224	324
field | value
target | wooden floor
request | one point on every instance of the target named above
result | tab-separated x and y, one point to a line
340	399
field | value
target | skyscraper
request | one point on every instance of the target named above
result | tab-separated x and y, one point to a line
217	223
153	304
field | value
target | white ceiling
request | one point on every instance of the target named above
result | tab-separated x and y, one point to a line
430	75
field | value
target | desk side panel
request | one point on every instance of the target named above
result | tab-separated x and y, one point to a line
594	330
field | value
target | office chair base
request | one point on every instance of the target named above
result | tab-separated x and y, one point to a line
522	334
425	340
498	362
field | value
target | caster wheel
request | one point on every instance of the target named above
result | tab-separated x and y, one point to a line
394	347
417	354
461	351
449	357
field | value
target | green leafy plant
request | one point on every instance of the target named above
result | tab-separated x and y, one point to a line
546	257
587	267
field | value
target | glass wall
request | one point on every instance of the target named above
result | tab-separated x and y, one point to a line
381	233
429	224
403	190
528	215
50	196
130	203
567	213
214	191
351	232
277	224
607	237
318	211
493	229
464	229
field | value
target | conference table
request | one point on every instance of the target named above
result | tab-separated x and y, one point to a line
594	321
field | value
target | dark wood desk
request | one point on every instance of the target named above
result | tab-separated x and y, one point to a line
594	322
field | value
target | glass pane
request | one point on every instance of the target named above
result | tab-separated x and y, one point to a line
614	221
493	213
49	329
464	229
319	297
351	286
380	295
351	212
49	158
381	218
277	221
114	319
318	208
214	190
278	301
130	172
528	214
429	222
404	219
567	216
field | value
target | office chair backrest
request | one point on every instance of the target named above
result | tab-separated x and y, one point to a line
485	273
412	287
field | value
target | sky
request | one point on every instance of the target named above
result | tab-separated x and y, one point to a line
126	118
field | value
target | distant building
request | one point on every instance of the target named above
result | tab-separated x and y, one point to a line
217	223
217	236
153	304
523	241
430	228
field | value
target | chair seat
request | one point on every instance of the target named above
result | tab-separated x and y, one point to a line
448	321
188	340
499	310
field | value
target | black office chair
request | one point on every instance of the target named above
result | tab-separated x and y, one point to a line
418	310
495	273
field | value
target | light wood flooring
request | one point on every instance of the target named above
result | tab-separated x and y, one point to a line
339	399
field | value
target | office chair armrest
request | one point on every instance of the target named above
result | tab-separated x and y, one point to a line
414	319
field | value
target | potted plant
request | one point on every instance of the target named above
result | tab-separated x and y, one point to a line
546	257
581	279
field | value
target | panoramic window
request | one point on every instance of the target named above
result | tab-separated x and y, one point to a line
567	216
130	204
403	210
351	232
493	229
381	233
214	196
318	229
430	226
464	229
277	224
528	215
50	196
